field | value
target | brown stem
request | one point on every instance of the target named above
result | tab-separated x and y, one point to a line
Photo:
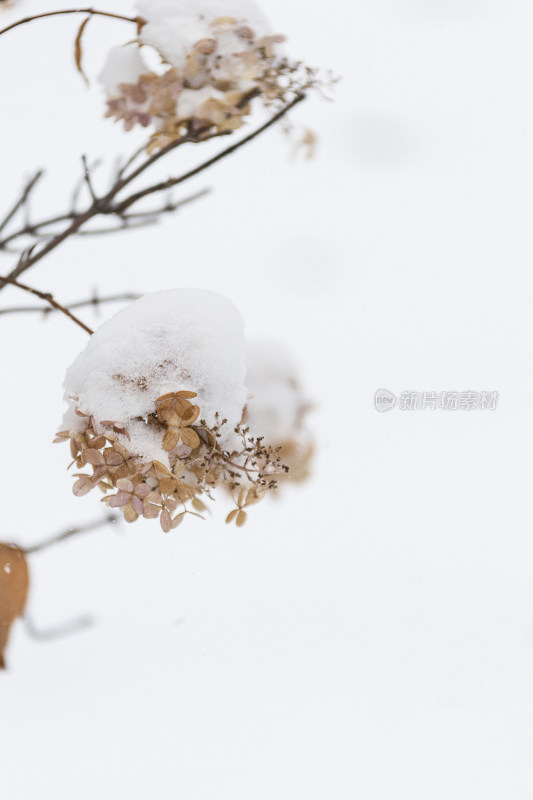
91	11
49	299
168	184
105	204
60	537
22	199
94	301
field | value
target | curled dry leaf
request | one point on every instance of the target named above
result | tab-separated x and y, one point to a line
14	584
78	51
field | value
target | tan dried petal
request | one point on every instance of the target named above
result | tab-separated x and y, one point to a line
113	458
231	516
205	46
190	415
125	485
94	457
241	518
170	440
168	485
130	515
151	511
166	521
190	438
160	469
82	486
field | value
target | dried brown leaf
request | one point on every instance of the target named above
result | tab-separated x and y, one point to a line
78	51
14	584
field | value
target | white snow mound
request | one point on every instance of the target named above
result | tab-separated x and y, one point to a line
174	26
165	342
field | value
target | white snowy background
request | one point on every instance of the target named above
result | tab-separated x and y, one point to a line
370	635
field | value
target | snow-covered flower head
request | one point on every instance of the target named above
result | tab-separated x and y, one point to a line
214	57
155	404
277	407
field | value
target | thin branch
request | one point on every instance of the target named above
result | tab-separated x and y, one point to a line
106	205
91	11
168	184
49	299
87	178
110	519
133	220
22	199
95	301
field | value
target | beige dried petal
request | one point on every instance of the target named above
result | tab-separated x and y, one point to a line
130	515
178	520
125	485
94	457
190	438
113	458
170	440
166	521
169	416
190	415
137	505
231	516
168	485
151	511
241	518
82	486
120	499
121	450
205	46
160	469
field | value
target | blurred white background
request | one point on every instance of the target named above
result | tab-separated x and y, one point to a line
370	635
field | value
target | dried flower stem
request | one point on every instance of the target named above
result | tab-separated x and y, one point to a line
49	299
94	301
92	12
109	519
107	204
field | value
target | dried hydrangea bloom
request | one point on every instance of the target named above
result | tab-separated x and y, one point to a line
277	406
215	58
143	408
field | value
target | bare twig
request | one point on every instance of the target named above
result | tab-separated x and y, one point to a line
92	12
107	204
168	184
95	301
22	199
110	519
49	299
128	221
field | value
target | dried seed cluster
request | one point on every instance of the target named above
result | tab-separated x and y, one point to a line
197	464
212	92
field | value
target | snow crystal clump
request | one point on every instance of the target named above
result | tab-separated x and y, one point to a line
175	26
277	407
123	65
178	340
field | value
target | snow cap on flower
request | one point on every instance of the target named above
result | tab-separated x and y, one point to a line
181	339
174	27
